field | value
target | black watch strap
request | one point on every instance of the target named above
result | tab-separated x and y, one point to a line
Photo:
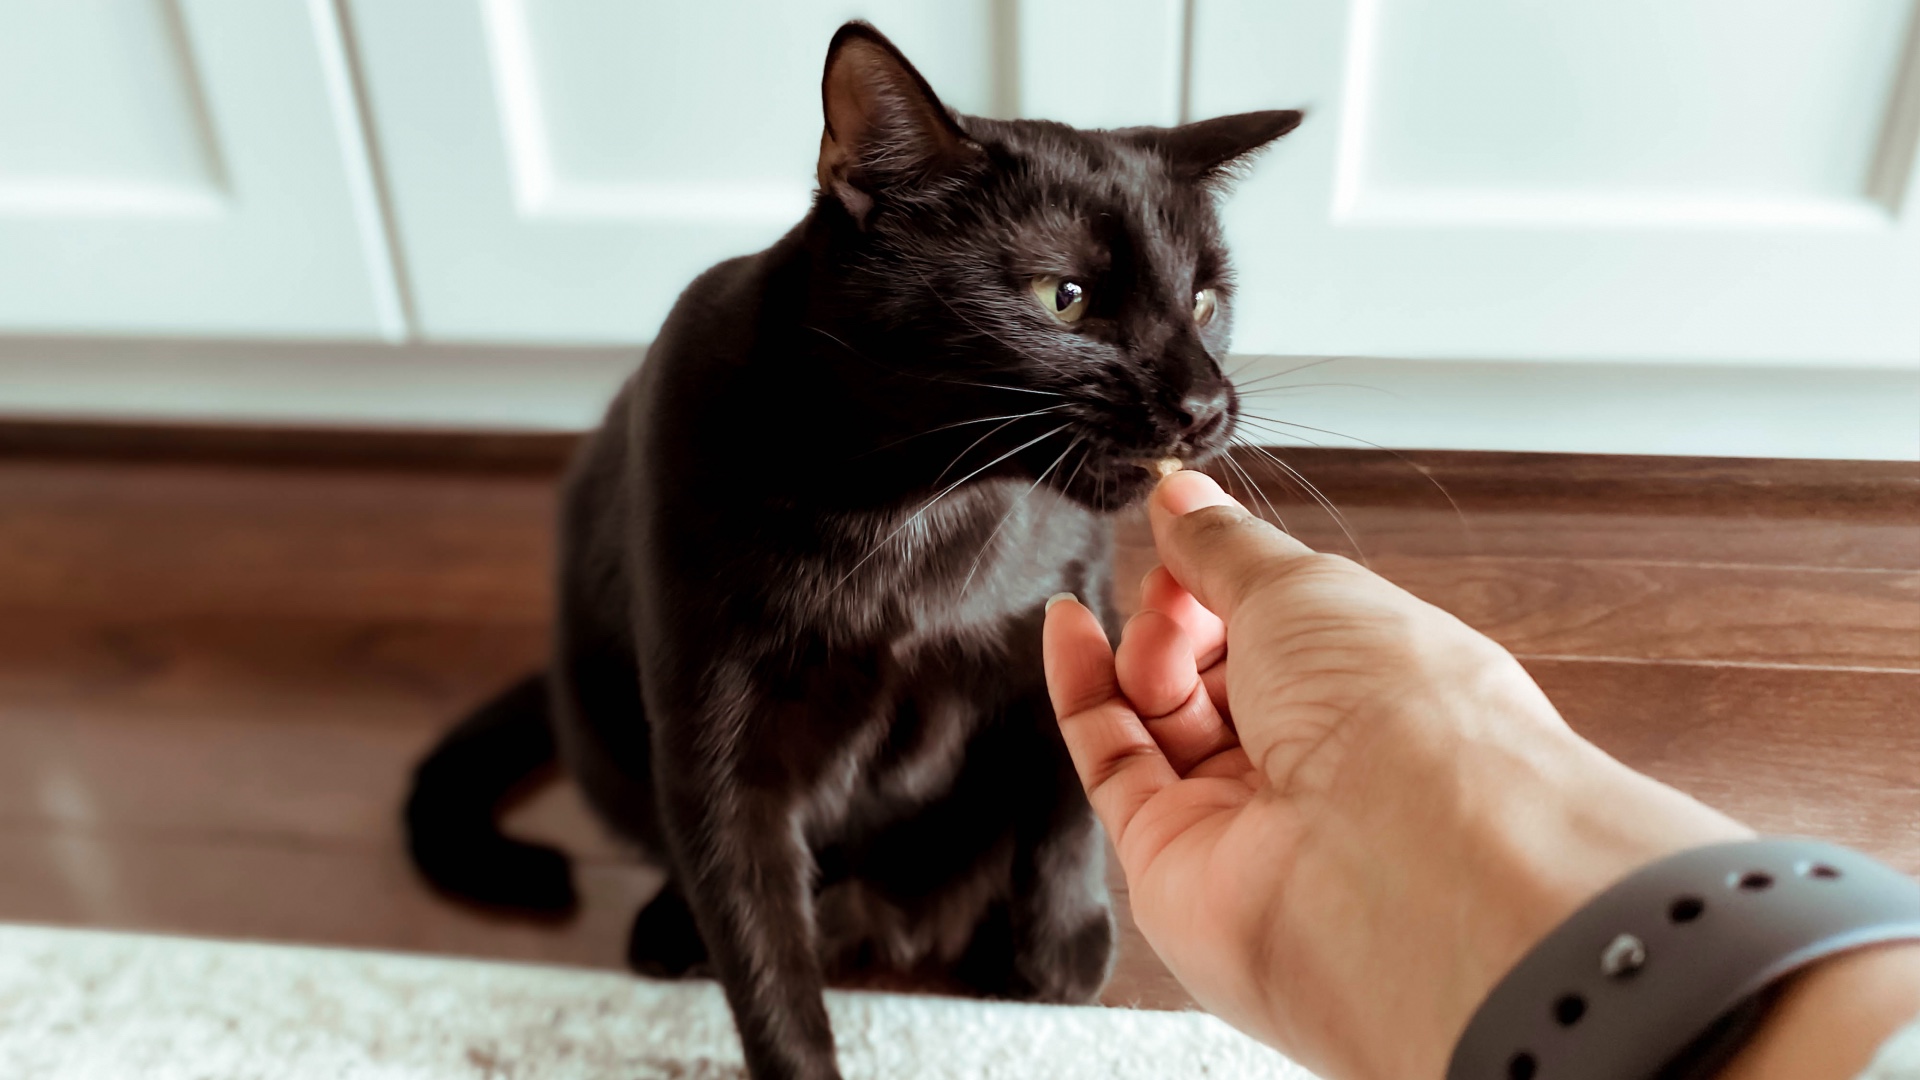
1676	957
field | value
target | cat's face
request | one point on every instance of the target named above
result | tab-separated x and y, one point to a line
1076	276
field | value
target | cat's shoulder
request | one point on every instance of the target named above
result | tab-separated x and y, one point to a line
727	298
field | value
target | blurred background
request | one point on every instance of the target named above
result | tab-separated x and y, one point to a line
1632	227
1596	321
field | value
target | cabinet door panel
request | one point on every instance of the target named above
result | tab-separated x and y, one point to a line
562	168
185	166
1724	181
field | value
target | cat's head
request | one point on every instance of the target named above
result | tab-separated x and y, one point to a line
1020	266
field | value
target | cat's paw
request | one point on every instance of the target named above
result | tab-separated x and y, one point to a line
665	943
1069	966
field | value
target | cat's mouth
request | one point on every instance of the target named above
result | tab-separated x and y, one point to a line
1115	482
1123	458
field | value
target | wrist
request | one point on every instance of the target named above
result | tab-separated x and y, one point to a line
1579	825
1448	872
1830	1019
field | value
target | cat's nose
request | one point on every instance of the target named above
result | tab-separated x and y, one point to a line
1201	411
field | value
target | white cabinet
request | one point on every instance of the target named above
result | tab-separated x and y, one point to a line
1715	181
1604	225
562	168
186	167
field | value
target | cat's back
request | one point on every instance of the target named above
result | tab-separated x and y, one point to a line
708	341
664	419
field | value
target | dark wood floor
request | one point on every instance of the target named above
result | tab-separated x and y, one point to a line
214	673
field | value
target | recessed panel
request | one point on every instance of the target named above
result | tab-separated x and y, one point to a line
99	109
1592	106
603	97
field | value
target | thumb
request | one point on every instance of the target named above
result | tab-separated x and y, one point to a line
1212	546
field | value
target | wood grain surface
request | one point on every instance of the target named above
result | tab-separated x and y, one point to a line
220	652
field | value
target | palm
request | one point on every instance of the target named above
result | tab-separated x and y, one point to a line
1206	830
1201	813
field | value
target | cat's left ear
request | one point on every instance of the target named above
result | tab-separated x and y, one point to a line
885	127
1210	149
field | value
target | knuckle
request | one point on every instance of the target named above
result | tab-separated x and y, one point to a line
1211	524
1117	761
1323	568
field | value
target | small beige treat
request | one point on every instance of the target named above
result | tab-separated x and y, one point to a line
1167	466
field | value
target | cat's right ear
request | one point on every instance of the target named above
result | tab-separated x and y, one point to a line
1210	150
885	127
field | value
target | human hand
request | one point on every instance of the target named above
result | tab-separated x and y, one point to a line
1342	813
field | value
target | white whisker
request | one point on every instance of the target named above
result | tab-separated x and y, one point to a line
918	514
965	423
962	454
1458	514
851	351
1256	390
1254	491
1075	474
1325	503
1008	516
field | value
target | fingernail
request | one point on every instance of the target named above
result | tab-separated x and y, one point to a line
1185	492
1059	596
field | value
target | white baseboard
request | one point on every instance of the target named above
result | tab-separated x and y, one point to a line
1711	410
1561	407
425	386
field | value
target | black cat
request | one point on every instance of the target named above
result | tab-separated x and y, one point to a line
805	558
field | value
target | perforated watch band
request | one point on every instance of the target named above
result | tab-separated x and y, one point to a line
1633	981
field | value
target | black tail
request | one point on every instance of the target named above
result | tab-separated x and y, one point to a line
453	828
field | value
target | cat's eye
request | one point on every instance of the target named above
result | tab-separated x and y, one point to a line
1204	303
1064	300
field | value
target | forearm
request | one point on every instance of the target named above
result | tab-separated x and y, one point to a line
1828	1022
1547	844
1595	822
1438	889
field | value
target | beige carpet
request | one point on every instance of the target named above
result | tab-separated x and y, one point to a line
83	1005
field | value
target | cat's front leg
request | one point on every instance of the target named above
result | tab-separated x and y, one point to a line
739	858
1061	915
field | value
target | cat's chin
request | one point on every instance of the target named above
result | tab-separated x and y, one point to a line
1113	488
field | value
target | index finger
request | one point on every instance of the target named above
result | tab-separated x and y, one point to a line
1160	592
1210	543
1120	765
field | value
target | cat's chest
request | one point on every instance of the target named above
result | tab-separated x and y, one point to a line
918	735
950	632
949	693
927	734
958	571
